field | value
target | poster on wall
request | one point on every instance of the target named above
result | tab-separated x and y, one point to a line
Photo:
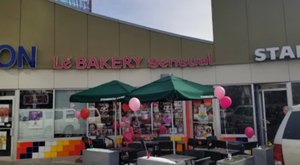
202	118
4	113
3	138
202	131
202	111
34	119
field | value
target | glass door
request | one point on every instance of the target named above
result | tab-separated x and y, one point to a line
6	111
273	102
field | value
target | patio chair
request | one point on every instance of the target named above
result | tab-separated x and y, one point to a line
165	147
192	143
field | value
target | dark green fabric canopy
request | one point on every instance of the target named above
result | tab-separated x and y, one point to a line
113	90
171	88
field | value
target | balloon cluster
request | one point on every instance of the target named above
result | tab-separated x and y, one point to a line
226	102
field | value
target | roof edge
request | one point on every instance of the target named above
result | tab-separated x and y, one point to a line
136	25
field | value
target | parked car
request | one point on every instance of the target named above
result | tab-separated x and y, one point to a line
287	139
65	122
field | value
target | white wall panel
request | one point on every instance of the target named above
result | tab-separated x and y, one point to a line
98	77
135	77
202	75
229	74
155	73
9	79
70	79
270	72
294	70
33	78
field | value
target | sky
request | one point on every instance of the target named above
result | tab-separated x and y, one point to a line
190	18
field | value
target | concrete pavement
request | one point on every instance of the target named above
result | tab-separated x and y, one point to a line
70	160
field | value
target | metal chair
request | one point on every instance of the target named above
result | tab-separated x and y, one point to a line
165	147
201	159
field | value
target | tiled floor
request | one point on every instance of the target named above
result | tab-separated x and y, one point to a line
54	161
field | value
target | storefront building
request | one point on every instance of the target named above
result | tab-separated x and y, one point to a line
49	51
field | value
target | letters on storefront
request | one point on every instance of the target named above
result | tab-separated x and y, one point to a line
129	62
277	53
17	56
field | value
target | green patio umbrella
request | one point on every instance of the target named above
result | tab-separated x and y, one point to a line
111	91
171	88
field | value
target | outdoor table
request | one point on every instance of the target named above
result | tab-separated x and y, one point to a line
99	156
222	151
179	158
123	150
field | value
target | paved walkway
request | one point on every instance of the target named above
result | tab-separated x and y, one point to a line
54	161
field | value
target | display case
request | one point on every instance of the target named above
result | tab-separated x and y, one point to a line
202	118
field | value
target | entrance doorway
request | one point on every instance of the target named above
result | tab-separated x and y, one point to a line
273	100
6	125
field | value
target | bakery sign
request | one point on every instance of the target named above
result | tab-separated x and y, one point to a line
128	62
277	53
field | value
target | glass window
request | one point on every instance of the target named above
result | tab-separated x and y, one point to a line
35	124
296	93
240	114
36	114
162	122
102	118
36	99
291	126
140	121
58	115
66	124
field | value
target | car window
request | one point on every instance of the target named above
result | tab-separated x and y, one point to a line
292	127
58	115
70	114
49	115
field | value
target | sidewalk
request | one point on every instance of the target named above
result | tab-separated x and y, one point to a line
49	161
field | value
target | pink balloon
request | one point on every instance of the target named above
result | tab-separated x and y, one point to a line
77	114
219	92
134	104
225	102
249	132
